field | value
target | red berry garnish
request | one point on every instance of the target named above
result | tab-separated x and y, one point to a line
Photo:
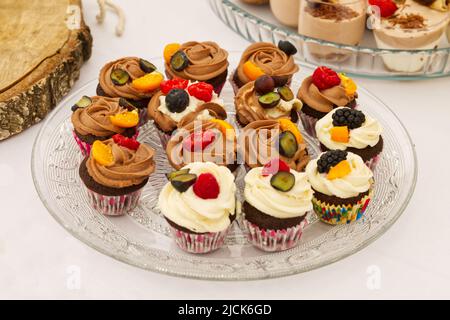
273	166
206	186
199	140
202	91
325	78
174	83
126	142
387	7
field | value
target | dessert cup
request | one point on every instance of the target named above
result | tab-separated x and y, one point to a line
286	11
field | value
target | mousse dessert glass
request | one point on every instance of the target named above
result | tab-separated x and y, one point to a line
339	21
286	11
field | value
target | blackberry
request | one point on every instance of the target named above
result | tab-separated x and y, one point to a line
348	117
330	159
177	100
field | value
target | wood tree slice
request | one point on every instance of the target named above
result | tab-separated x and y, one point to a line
43	46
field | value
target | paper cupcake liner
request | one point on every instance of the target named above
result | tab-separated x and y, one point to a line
114	205
163	137
199	243
309	124
85	147
274	240
372	163
341	214
142	117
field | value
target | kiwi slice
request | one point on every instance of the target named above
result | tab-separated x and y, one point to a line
146	66
269	100
84	102
173	174
182	182
285	93
283	181
179	61
119	77
288	144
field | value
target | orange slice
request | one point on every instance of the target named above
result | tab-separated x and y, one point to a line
126	119
149	82
288	125
252	71
339	171
340	134
170	50
102	153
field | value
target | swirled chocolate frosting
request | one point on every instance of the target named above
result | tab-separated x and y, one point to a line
325	100
131	66
130	167
259	144
206	61
221	151
94	119
269	58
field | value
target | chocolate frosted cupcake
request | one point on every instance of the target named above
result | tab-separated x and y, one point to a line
99	118
180	102
264	140
115	173
263	58
203	141
321	93
262	100
132	78
199	203
351	130
277	200
197	61
342	185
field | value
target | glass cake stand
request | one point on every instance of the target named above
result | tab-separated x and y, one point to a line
142	239
257	23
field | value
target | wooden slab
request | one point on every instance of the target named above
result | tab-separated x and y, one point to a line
44	43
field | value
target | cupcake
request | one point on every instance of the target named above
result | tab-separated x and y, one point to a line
277	200
203	141
115	173
180	102
266	58
351	130
197	61
342	184
99	118
131	78
263	100
199	203
263	140
321	93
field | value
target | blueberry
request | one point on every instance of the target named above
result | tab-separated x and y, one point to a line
177	100
287	47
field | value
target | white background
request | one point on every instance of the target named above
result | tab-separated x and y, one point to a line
413	258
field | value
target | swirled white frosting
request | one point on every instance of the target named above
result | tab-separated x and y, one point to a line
188	210
359	180
261	195
367	135
284	108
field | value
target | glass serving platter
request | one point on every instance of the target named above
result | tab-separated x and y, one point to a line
257	23
142	239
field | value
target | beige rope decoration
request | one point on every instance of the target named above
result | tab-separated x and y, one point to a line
103	5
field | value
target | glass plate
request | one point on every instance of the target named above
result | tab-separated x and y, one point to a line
256	23
141	238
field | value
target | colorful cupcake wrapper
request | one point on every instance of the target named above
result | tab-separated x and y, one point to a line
309	124
274	240
114	205
85	147
341	214
142	117
199	243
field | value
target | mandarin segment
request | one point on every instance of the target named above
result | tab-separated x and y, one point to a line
348	84
149	82
252	71
102	153
226	128
339	171
126	119
170	50
288	125
340	134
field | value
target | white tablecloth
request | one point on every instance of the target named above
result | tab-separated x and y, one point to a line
39	259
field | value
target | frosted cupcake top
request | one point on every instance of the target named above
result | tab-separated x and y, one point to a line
201	198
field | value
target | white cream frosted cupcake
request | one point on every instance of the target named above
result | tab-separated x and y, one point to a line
342	185
277	200
351	130
199	203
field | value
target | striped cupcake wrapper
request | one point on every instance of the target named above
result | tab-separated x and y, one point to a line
274	240
341	214
114	205
199	243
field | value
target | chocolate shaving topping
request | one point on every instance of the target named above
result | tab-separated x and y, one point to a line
335	12
408	21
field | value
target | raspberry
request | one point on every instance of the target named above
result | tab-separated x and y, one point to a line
274	166
330	159
198	141
202	91
174	83
206	186
387	7
348	117
325	78
126	142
